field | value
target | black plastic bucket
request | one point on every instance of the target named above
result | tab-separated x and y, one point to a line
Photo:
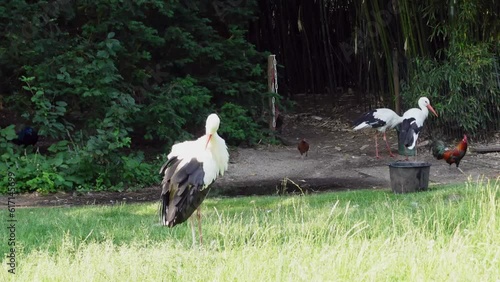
407	177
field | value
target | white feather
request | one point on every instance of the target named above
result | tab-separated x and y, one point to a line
389	116
213	155
420	116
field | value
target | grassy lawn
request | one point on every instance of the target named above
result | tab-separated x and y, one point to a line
450	233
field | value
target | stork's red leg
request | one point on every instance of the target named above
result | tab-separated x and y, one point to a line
376	146
388	147
199	224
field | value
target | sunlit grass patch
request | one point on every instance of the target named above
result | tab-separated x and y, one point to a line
447	233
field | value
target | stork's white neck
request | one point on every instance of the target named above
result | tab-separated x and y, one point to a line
425	111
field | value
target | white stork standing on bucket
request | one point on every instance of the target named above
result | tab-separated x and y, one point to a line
380	119
191	167
413	121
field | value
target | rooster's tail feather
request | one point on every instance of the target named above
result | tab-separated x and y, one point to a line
438	148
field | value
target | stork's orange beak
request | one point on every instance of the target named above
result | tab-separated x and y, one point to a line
432	110
208	140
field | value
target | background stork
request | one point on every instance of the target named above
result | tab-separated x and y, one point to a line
191	167
380	119
413	121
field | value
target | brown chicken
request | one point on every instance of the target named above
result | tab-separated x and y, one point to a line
303	147
450	155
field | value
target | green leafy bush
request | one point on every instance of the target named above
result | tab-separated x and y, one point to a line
41	173
237	126
462	81
462	89
67	167
92	76
171	108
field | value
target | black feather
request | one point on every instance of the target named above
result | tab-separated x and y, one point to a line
370	119
27	136
408	129
182	191
438	148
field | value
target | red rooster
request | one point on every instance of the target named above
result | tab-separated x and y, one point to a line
450	155
303	147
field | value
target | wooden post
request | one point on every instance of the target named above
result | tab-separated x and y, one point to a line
272	86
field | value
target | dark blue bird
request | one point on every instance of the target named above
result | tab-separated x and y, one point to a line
27	136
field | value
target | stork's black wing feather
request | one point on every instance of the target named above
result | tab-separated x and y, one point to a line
370	119
409	127
168	164
182	191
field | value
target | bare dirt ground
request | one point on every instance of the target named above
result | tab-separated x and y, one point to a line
338	159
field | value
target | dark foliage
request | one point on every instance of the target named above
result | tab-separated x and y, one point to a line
93	74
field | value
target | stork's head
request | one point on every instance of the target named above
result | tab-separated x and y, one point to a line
424	102
211	126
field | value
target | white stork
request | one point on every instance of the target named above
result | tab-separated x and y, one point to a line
381	120
413	121
191	167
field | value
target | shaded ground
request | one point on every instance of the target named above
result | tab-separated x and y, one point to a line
338	159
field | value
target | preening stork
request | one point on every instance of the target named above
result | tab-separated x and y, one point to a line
413	121
191	168
380	119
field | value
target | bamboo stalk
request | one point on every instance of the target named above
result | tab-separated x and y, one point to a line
395	77
271	88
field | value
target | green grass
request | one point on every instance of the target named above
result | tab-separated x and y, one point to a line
448	233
